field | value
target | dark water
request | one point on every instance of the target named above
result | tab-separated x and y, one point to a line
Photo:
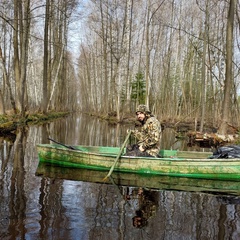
42	202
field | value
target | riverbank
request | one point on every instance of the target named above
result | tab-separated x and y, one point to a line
183	129
10	123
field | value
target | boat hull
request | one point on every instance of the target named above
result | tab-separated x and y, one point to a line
176	165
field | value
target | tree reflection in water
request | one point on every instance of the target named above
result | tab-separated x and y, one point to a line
18	199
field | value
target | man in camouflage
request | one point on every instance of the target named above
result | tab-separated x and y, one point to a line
149	136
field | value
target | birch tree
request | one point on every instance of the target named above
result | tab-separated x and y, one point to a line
228	83
45	90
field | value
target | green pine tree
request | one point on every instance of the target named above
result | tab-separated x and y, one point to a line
138	89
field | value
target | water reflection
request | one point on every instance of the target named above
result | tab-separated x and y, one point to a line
13	164
216	187
44	202
148	201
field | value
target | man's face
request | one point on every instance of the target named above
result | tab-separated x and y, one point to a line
140	116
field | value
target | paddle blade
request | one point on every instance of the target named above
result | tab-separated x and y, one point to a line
105	179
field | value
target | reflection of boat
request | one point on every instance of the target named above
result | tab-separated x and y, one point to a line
173	163
153	182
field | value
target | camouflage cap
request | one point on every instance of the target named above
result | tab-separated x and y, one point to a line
143	108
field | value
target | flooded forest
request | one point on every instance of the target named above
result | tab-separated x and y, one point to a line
84	58
181	58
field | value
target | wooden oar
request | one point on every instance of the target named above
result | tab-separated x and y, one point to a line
118	156
67	146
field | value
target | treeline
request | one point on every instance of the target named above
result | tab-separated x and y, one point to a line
179	57
36	67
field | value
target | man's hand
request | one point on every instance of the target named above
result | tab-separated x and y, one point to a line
141	148
129	130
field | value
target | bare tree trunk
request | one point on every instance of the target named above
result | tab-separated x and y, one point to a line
45	61
228	76
55	80
105	85
129	9
16	60
22	18
147	55
203	95
24	57
6	78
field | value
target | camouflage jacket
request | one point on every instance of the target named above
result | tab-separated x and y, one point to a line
149	136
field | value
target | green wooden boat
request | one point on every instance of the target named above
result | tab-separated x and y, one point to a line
173	163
